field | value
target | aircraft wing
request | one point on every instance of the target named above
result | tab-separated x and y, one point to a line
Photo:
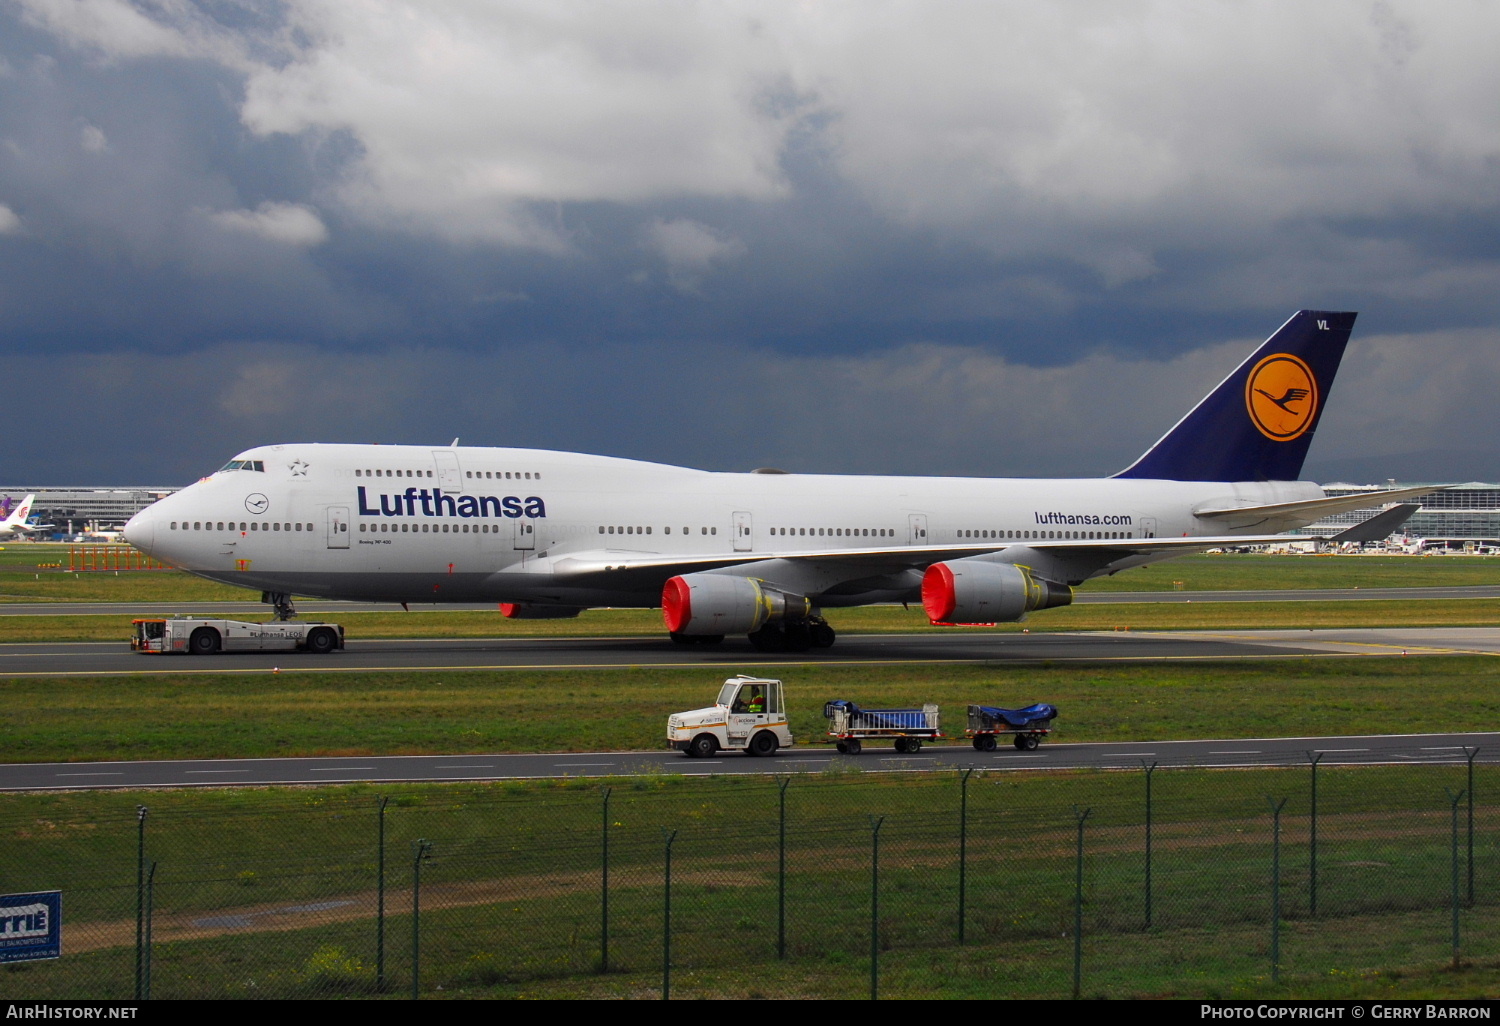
1296	514
908	557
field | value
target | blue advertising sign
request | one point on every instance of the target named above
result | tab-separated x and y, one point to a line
30	926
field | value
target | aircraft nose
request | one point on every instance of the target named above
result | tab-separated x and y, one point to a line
140	531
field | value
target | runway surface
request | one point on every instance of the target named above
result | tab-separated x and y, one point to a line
105	658
327	607
1451	749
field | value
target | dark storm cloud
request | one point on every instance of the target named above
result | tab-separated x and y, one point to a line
845	237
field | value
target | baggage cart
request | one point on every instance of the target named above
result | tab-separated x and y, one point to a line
1027	726
849	726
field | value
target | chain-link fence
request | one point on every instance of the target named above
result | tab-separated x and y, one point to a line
1159	880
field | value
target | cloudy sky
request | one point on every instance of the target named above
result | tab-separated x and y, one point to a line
872	236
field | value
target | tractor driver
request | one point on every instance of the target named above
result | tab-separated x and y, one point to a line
750	700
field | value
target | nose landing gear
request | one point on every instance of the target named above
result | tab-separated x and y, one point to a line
281	602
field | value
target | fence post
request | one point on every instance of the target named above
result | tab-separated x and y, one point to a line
1151	769
1471	754
1453	800
1276	808
875	907
150	903
420	850
781	874
1312	879
604	887
380	897
666	922
140	901
1078	905
963	849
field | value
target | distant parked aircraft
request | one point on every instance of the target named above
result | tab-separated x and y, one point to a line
15	523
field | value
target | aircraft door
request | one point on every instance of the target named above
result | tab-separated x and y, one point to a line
525	537
917	527
744	537
450	478
1148	527
338	527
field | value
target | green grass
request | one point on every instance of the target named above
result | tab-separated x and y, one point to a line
1255	572
264	714
1383	933
22	580
610	623
511	892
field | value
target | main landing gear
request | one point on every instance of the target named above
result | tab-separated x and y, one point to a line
793	635
780	636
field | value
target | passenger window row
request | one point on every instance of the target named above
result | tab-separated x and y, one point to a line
506	475
221	525
836	532
605	529
385	527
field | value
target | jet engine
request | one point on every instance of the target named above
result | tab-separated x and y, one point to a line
716	604
973	591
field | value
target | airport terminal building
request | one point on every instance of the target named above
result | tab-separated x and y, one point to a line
75	511
1466	517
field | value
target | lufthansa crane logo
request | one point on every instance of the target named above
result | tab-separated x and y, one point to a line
1282	396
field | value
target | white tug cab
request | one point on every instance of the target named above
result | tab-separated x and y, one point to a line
748	716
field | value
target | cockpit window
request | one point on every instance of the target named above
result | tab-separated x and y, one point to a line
244	465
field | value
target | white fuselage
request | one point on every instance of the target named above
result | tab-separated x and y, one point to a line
447	524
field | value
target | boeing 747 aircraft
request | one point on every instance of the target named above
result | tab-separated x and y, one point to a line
549	534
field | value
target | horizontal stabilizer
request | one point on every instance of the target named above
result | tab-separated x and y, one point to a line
1295	514
1380	526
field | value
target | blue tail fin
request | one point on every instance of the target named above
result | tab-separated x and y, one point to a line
1257	425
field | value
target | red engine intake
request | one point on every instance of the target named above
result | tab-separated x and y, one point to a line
972	592
708	604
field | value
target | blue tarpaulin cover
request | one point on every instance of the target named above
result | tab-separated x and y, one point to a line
1038	715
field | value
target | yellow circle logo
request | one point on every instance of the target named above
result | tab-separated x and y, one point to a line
1282	396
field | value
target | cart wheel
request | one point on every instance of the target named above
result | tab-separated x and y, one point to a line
1029	742
913	745
985	742
842	747
901	745
1020	742
978	744
854	746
